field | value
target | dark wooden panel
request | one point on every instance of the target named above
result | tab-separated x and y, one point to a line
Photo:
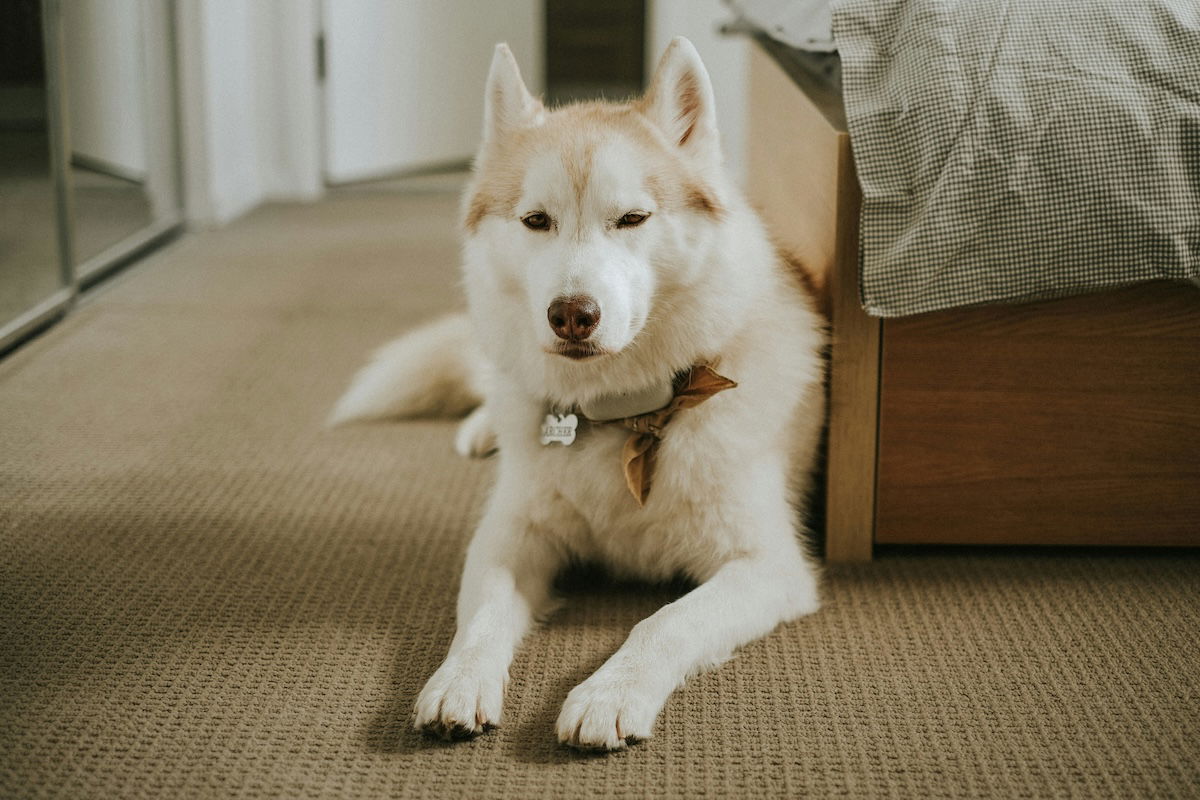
21	59
594	49
1075	421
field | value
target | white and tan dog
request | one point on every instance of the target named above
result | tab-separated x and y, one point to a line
607	255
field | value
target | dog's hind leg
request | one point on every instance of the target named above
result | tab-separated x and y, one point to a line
745	599
506	585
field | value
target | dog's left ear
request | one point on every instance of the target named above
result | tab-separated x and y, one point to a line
680	101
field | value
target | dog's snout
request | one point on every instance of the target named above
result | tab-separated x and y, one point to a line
573	318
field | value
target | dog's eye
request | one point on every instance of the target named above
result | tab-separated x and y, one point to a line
537	221
633	219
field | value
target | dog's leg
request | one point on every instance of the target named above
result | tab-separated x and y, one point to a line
506	584
744	599
475	437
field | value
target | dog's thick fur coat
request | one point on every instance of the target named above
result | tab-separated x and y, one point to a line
693	279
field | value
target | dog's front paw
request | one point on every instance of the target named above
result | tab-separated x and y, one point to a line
460	701
606	712
475	437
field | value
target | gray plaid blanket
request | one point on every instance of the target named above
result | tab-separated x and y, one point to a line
1016	149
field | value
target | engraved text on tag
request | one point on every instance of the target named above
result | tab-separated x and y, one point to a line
559	428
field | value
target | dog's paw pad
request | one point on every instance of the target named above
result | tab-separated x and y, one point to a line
450	731
602	716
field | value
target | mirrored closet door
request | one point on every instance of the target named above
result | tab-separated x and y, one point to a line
34	276
88	148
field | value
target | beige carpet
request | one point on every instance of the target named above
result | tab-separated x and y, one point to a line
205	594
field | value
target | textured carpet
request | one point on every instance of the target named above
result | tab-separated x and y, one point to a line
203	593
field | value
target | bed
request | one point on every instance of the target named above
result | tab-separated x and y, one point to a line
1002	202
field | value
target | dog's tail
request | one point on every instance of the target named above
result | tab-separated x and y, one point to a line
432	371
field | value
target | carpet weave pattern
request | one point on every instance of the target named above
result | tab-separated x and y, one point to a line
203	593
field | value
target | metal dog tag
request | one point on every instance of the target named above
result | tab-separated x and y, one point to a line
559	428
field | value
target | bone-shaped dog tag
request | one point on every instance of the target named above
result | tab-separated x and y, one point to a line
559	428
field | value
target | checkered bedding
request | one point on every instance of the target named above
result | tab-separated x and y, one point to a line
1021	149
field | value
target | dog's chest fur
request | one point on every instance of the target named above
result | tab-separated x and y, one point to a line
583	503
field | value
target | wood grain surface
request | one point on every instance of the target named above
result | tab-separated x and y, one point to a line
1074	421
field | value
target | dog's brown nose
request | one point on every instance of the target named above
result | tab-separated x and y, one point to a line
573	318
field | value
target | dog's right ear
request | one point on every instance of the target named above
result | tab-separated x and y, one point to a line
508	104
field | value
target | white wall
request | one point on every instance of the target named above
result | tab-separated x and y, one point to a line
727	60
250	120
106	83
289	98
404	84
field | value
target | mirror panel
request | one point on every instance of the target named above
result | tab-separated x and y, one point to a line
30	265
121	131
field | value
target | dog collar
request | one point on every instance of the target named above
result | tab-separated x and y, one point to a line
689	388
609	407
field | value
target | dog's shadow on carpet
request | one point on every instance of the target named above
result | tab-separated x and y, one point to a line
390	729
596	615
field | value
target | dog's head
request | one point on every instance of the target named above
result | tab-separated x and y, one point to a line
578	219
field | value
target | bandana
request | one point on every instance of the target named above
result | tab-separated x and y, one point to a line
691	389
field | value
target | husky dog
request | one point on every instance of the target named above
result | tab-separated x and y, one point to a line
650	371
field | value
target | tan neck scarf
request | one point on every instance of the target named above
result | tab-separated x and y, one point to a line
691	389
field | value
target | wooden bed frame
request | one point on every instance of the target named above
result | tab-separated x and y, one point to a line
1067	422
